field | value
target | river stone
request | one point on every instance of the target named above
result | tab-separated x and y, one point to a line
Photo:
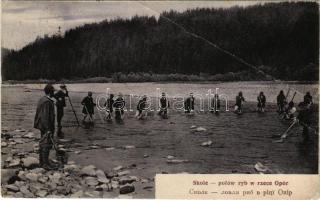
93	194
22	175
38	170
34	187
30	161
118	168
200	129
41	193
29	135
125	189
88	170
20	183
114	184
4	144
206	144
71	168
25	191
101	176
193	126
55	178
122	173
12	188
43	179
32	176
91	181
14	163
18	195
77	194
9	159
111	175
170	157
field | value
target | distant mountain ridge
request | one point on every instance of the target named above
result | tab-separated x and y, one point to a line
279	39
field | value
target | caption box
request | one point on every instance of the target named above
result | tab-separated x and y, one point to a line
244	186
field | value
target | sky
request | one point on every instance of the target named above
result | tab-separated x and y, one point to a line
23	21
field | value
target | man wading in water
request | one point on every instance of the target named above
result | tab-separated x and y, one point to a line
60	96
189	104
261	102
164	105
109	107
239	101
88	107
44	121
281	102
141	107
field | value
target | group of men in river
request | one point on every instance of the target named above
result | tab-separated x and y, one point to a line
45	113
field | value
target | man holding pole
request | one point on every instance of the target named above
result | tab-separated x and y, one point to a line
60	96
88	107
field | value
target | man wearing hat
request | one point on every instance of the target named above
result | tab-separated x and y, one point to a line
44	121
60	96
88	107
164	105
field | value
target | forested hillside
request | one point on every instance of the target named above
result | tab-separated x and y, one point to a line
281	39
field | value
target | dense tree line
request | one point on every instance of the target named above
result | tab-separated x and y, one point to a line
281	39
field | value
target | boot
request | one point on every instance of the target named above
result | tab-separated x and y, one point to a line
47	165
60	134
41	155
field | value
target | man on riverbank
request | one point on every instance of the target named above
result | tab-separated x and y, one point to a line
45	122
60	96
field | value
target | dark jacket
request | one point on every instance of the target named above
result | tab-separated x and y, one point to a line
60	96
164	103
281	99
141	105
189	103
307	99
88	105
45	117
109	104
239	100
261	100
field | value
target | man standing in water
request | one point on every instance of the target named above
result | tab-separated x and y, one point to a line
261	102
141	107
164	105
281	102
119	105
44	121
60	96
88	107
239	101
109	107
189	104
